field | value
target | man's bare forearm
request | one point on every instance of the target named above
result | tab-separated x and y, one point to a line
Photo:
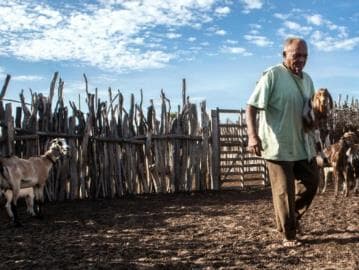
254	142
251	120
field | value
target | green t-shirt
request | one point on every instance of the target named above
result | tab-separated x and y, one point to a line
279	95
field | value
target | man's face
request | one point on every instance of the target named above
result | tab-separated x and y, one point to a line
295	56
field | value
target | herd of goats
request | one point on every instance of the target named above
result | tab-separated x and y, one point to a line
27	177
339	159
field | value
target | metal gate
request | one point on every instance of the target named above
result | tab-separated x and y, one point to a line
232	165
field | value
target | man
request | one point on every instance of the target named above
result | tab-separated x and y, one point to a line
279	98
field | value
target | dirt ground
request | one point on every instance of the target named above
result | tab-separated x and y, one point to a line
229	229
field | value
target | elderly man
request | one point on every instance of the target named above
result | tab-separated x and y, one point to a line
279	98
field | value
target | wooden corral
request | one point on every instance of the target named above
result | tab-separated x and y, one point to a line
114	150
117	151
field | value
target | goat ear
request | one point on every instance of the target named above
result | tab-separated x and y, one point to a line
48	143
316	101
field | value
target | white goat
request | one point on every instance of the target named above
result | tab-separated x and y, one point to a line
17	173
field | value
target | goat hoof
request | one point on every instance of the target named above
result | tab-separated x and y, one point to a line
40	216
17	224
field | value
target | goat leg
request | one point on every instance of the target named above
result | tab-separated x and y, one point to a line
345	188
15	218
326	179
8	196
326	171
336	185
38	205
30	205
321	179
346	184
356	188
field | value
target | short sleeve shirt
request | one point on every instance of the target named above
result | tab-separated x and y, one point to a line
280	95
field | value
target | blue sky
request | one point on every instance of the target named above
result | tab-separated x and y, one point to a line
220	46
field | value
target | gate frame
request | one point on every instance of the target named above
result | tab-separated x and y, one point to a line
242	154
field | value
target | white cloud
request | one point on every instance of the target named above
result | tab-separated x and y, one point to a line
220	32
235	50
292	25
248	5
315	19
254	32
231	41
109	34
281	16
297	28
222	11
324	42
255	26
192	39
341	30
173	35
255	29
260	41
27	78
322	33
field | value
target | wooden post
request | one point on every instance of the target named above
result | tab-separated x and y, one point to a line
184	88
9	120
215	185
204	180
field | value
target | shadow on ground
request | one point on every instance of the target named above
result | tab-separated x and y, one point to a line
231	229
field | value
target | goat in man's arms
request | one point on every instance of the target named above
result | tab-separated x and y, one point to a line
316	113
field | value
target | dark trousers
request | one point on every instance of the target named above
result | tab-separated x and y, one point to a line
294	185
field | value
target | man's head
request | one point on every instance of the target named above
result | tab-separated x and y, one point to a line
295	53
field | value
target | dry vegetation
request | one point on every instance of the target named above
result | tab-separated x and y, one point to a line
230	229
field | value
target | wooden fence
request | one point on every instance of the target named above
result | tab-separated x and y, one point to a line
117	151
345	117
114	151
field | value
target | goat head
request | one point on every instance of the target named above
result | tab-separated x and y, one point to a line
59	144
322	102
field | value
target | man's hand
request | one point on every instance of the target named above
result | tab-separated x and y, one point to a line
254	145
254	142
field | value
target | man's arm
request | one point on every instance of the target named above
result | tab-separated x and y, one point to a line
254	142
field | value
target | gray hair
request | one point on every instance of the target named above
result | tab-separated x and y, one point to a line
290	40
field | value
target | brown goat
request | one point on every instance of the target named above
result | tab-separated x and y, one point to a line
315	115
337	157
317	109
17	173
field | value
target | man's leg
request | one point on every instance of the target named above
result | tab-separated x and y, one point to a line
283	191
307	180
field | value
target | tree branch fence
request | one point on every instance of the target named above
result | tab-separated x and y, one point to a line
114	150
